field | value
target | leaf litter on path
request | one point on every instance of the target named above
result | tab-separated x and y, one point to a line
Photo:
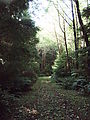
48	102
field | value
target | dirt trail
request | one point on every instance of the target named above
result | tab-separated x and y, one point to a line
48	101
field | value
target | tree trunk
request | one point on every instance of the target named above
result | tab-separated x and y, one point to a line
75	38
84	34
64	32
77	27
57	41
87	3
81	24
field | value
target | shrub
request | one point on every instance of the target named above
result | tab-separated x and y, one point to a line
60	66
21	84
8	105
24	82
82	85
79	83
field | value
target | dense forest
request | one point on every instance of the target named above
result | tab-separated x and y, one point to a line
44	60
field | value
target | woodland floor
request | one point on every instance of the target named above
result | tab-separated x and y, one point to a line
48	101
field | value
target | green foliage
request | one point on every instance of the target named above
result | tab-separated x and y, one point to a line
18	44
83	56
82	85
21	84
66	82
8	105
86	16
47	60
13	8
60	65
86	12
50	57
47	54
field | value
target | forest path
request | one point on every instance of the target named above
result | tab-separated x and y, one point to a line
48	101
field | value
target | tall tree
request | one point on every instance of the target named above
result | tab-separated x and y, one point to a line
17	41
81	24
75	38
85	35
58	44
64	34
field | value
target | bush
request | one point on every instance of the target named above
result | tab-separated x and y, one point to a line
64	82
82	85
24	82
67	82
60	66
8	104
17	82
79	83
21	84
